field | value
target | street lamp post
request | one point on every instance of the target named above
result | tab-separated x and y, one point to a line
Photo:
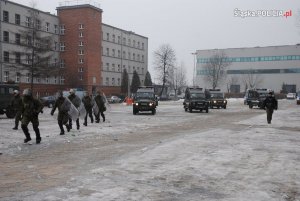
194	53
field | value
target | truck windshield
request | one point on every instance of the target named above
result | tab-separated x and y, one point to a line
144	95
197	95
217	95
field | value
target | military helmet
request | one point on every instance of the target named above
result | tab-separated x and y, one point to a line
16	92
27	92
72	91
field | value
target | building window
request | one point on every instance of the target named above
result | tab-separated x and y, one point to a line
62	29
119	82
142	58
29	40
17	19
124	55
18	38
47	79
129	42
142	45
107	66
38	24
113	38
55	29
6	57
5	36
138	44
113	81
6	76
5	16
80	43
62	79
81	26
55	79
62	47
55	45
47	26
107	51
80	69
133	56
107	36
81	61
138	57
18	75
133	43
18	57
38	80
80	52
129	55
113	67
27	77
124	41
28	59
94	80
27	22
119	68
80	77
62	63
119	39
80	34
119	53
107	81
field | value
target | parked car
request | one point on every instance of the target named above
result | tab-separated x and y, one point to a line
114	99
48	101
298	98
291	96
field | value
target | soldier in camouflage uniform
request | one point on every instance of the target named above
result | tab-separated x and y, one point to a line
99	99
88	103
31	108
17	105
63	107
76	102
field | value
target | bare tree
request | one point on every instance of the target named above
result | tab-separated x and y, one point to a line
215	69
178	78
251	79
37	49
164	60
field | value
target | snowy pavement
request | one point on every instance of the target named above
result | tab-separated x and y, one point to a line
228	155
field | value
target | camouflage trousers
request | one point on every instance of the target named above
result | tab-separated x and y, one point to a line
35	124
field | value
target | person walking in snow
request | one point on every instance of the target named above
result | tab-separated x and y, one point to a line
17	105
31	108
270	104
88	103
63	107
99	99
76	102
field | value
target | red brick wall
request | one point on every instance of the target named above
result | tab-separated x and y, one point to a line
91	18
42	89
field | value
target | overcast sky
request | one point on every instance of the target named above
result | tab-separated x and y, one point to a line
190	25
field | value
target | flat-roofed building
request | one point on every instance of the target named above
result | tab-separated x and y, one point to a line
273	67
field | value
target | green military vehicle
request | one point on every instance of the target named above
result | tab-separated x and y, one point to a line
196	99
217	99
144	100
6	97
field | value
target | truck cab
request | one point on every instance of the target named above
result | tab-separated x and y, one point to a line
6	96
144	100
196	99
217	99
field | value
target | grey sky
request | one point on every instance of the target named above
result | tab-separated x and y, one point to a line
190	25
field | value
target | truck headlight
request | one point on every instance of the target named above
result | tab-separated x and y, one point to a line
137	104
225	101
150	104
215	101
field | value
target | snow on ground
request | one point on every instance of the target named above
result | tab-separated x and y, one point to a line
259	162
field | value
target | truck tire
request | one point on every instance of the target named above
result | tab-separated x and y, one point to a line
153	111
134	111
191	110
206	110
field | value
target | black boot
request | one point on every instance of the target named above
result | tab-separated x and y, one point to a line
84	123
62	131
37	134
26	133
68	127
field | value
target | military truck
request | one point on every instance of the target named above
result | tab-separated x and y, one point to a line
144	100
255	97
6	97
217	99
196	99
